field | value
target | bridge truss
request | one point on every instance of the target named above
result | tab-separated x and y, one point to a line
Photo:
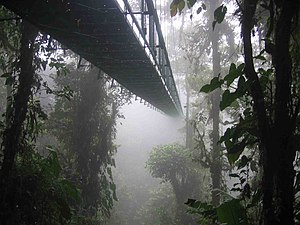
126	44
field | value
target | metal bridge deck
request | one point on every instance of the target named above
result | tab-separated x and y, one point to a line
101	32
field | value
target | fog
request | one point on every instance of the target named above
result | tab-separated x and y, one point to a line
137	134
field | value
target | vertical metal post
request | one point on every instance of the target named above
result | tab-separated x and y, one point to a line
143	17
151	32
159	57
163	64
167	75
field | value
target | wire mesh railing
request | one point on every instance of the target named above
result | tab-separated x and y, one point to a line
144	21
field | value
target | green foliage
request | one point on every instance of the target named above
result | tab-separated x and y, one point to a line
40	193
230	212
167	160
208	212
39	189
214	84
160	208
177	6
236	73
266	97
173	163
244	133
219	15
84	126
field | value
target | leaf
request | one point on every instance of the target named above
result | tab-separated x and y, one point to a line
232	157
234	72
227	135
236	189
201	208
242	86
9	81
214	84
253	166
227	99
243	162
9	78
237	147
6	75
53	164
260	55
199	10
181	6
256	197
234	153
232	213
70	189
173	9
190	3
234	175
219	15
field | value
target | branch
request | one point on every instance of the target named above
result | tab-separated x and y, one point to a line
255	88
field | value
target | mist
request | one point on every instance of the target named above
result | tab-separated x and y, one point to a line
78	149
137	134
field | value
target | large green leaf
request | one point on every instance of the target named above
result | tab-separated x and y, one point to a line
214	84
235	151
228	98
243	161
173	8
219	15
181	5
234	72
243	86
177	6
232	213
190	3
202	208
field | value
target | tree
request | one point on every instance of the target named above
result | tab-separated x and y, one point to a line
206	53
274	100
173	164
32	189
85	127
277	129
35	184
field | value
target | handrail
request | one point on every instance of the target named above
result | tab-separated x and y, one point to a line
162	42
167	79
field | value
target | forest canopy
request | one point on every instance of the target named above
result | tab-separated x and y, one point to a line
238	66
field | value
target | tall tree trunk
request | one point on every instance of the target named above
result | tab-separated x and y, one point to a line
249	8
283	126
215	168
277	149
13	134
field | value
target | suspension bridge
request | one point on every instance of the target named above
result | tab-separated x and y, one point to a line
126	44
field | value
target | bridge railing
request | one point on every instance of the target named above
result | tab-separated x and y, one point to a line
143	18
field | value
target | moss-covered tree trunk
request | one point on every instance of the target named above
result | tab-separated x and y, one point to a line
284	124
276	134
13	134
